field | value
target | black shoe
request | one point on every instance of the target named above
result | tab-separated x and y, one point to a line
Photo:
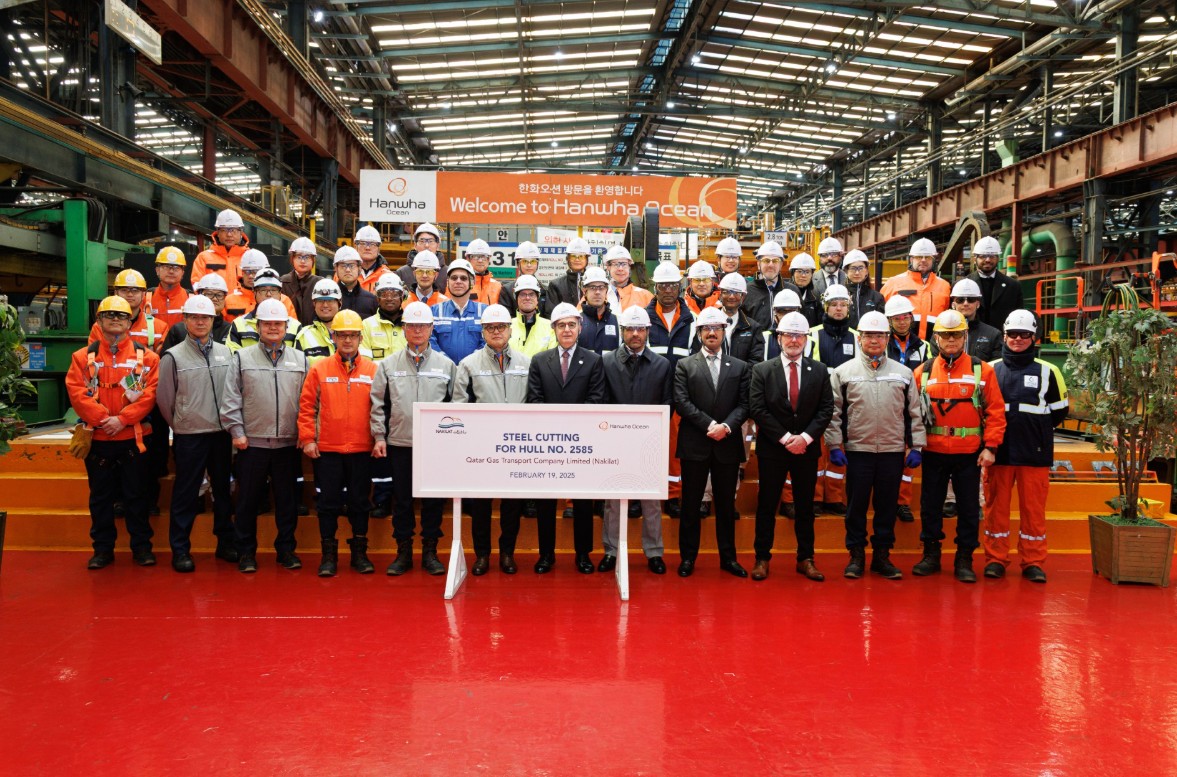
429	560
1034	574
608	563
835	508
481	566
381	511
529	510
733	567
994	571
567	512
857	565
507	563
303	510
247	564
545	564
289	561
787	510
881	565
182	562
584	564
686	568
635	509
904	514
930	563
144	558
962	568
949	510
704	509
672	507
228	553
656	565
100	560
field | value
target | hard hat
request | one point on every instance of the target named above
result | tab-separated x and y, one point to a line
526	283
634	316
130	279
527	250
211	282
347	321
729	246
229	219
922	247
834	292
873	321
389	281
495	314
951	321
302	245
198	305
711	317
1021	321
668	272
267	277
417	312
618	253
368	233
793	324
563	311
987	246
326	289
478	247
594	275
966	287
802	261
255	260
898	305
771	249
346	254
700	269
428	229
460	264
271	310
426	260
854	256
786	298
733	281
171	255
114	304
830	245
578	245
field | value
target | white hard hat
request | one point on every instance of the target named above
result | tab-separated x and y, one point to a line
198	305
417	312
618	253
526	283
428	229
578	245
594	275
563	311
923	247
426	260
793	324
229	218
369	234
389	281
873	321
668	272
898	305
987	245
802	261
271	310
854	256
733	281
829	246
326	289
460	264
255	260
267	277
729	246
1021	321
771	249
527	250
211	282
711	317
833	292
786	298
478	247
700	269
966	287
495	314
302	245
634	316
346	254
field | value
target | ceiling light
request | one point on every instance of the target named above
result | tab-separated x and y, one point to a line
559	54
635	168
831	68
555	144
1058	133
696	59
964	172
670	103
318	16
890	115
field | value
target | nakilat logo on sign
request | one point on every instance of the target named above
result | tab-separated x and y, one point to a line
450	422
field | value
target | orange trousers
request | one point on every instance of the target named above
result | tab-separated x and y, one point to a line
1033	484
905	487
831	481
674	488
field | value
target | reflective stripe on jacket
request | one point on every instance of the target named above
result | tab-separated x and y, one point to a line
261	396
1036	401
191	386
953	421
479	379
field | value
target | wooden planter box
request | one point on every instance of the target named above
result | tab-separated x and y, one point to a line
1131	554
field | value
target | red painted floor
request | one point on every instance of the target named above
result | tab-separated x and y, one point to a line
144	671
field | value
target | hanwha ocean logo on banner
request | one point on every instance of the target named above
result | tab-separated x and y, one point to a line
398	195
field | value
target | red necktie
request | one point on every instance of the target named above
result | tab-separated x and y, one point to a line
794	385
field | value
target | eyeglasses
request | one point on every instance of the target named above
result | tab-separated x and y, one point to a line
793	336
495	328
803	272
303	257
1019	335
428	241
712	328
116	316
951	335
424	272
229	229
873	336
389	293
828	255
967	300
347	266
347	335
215	296
365	244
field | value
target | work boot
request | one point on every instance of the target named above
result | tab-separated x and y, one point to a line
359	555
904	514
429	560
1034	574
672	507
404	558
963	567
930	563
330	558
836	508
994	570
880	564
857	564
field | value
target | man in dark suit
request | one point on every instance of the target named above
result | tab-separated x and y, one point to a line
711	395
569	375
1000	294
791	402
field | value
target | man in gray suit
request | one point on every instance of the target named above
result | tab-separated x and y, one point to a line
829	255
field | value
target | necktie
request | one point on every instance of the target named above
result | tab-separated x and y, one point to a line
564	367
499	359
714	369
794	385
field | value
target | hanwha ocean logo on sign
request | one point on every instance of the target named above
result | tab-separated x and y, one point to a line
398	186
398	195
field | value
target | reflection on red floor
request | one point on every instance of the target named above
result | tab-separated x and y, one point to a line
145	671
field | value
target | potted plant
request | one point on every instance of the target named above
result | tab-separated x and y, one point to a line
1128	365
13	387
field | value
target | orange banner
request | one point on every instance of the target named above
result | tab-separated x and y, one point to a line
584	200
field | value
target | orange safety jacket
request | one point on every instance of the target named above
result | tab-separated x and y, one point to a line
147	330
224	261
693	304
436	298
929	298
242	300
486	289
98	381
368	279
335	409
957	419
168	306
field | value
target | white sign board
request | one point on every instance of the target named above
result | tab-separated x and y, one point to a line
134	29
398	195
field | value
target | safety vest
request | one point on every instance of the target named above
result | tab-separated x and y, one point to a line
382	337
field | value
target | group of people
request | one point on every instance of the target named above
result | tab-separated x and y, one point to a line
845	389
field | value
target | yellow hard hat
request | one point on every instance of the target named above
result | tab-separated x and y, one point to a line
951	321
347	321
171	255
130	279
114	304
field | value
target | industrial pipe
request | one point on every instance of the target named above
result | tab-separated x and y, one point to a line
1066	252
